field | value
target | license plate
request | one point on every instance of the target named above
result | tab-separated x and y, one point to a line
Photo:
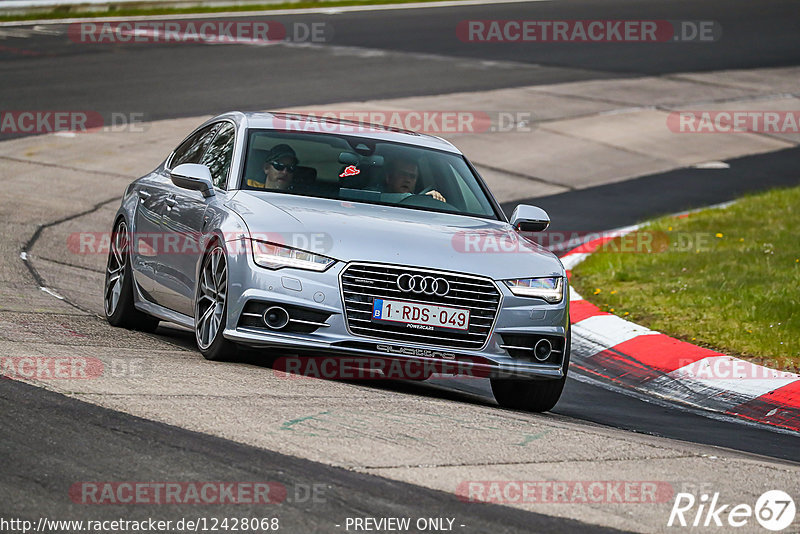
425	316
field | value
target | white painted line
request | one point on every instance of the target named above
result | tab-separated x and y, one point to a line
720	206
51	292
46	30
602	332
574	295
359	51
711	165
145	33
330	10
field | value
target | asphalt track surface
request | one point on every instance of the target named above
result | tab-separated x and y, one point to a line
611	206
41	460
376	55
164	81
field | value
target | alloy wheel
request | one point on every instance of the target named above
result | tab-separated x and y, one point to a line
212	294
115	268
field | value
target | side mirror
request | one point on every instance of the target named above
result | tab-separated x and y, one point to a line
529	219
193	176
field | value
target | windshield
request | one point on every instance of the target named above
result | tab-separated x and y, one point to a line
362	170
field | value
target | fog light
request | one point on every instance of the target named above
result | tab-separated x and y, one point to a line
542	349
276	317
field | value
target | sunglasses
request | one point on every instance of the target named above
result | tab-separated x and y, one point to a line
278	166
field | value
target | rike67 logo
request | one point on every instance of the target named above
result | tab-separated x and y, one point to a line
774	510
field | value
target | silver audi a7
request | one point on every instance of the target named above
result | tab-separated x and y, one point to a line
314	237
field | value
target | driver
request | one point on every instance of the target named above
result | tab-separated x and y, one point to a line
401	177
279	166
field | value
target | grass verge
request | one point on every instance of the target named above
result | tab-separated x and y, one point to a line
67	11
727	279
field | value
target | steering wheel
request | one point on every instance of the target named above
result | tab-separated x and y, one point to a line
427	201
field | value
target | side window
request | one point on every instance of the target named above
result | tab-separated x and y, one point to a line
219	154
192	149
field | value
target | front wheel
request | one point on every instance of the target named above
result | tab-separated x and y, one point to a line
210	308
118	287
531	395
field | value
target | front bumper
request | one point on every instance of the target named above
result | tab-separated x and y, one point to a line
517	318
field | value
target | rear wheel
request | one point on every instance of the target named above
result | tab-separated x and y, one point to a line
210	308
531	395
118	294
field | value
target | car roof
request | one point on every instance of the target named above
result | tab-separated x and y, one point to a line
320	124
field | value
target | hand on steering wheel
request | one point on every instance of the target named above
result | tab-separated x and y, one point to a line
430	191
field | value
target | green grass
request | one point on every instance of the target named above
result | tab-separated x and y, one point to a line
63	12
727	279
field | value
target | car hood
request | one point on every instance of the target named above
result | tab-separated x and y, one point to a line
354	231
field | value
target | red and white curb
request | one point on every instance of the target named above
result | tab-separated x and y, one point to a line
638	358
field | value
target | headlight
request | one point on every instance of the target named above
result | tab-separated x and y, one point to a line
273	256
549	289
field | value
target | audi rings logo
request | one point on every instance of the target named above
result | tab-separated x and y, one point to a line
423	284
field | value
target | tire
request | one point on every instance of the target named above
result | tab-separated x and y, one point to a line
531	395
211	307
118	286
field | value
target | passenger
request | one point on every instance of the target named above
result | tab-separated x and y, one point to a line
401	177
279	166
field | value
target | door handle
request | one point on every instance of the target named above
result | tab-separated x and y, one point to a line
144	195
171	202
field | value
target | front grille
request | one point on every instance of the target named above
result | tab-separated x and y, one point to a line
362	283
